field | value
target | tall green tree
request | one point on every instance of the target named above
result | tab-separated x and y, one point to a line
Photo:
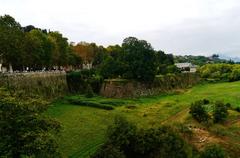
61	48
38	50
140	59
11	41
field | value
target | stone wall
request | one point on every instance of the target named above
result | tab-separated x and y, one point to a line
43	84
119	88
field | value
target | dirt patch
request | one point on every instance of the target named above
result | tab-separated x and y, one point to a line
233	121
201	137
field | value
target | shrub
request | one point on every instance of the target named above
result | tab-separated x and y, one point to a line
125	140
228	105
206	101
114	102
237	109
79	81
121	133
108	151
213	151
220	112
198	111
25	131
90	104
162	142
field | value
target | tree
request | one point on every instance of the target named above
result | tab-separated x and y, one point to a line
111	68
25	131
140	59
115	51
74	59
100	54
164	63
198	111
61	49
11	41
85	51
220	112
38	50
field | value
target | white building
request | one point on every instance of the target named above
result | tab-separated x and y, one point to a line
186	67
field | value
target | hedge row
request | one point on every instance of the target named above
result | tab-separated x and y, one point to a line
90	104
47	85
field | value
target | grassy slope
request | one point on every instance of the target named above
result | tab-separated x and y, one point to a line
84	127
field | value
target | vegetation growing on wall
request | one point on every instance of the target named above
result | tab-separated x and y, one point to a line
47	85
163	83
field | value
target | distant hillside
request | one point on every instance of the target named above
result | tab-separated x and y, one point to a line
200	60
226	57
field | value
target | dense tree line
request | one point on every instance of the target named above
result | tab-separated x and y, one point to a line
225	72
200	60
136	59
33	48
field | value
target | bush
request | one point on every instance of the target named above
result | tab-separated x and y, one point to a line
25	130
237	109
198	111
114	102
125	140
162	142
206	101
213	151
108	151
220	112
79	81
90	104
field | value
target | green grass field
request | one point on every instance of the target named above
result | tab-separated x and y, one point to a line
84	127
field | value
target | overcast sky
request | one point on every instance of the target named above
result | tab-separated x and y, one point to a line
174	26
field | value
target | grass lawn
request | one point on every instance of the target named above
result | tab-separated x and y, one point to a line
84	127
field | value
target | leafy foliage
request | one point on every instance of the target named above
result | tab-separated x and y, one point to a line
140	59
198	111
34	48
125	139
199	60
220	112
226	72
25	131
79	81
137	60
213	151
90	104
